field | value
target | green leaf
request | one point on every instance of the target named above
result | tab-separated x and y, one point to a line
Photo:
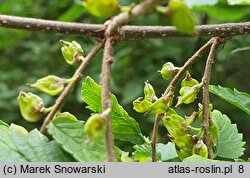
229	143
31	147
164	152
70	135
197	158
2	123
234	97
167	151
241	2
123	127
191	3
223	11
143	153
239	160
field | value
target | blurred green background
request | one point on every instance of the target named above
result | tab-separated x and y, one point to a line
27	56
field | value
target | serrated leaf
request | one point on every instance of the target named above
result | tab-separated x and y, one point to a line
164	152
31	147
234	97
229	143
123	127
197	158
143	153
238	2
70	135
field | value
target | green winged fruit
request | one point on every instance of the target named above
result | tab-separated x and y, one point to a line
200	149
149	92
102	8
95	127
141	106
180	16
174	125
161	105
188	81
52	85
31	106
71	52
188	94
168	70
66	115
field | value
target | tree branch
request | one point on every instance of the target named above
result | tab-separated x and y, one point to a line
142	8
172	85
205	97
187	64
158	118
125	32
77	75
110	34
106	101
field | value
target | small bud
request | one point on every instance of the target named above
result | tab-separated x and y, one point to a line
66	115
52	85
72	52
168	70
200	149
31	106
95	127
101	8
141	106
18	129
188	81
170	111
174	125
161	105
149	92
188	94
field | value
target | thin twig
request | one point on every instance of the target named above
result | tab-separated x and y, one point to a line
77	75
240	49
154	136
106	101
125	32
172	85
205	97
140	9
111	32
187	64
